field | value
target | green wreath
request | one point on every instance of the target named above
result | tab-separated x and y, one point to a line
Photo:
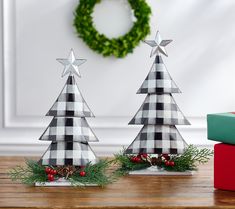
118	47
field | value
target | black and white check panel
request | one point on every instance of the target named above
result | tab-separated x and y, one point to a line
159	109
69	129
157	139
158	80
68	153
70	102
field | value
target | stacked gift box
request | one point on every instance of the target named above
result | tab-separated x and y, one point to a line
221	127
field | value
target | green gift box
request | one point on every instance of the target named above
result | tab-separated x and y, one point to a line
221	127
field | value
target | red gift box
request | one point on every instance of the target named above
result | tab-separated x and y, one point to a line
224	166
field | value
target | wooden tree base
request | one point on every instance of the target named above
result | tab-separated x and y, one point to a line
62	183
155	171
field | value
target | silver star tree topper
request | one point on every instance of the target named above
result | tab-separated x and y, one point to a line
71	64
158	45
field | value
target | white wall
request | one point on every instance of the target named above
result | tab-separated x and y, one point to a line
35	33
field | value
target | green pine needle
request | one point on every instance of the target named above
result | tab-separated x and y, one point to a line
33	172
190	159
187	161
29	174
125	165
95	174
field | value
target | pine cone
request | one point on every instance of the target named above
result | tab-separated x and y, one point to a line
156	161
66	171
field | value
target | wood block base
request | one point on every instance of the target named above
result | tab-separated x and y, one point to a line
154	171
61	183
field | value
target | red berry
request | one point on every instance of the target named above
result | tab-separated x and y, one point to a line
82	173
137	160
172	163
133	159
50	177
53	172
48	170
144	155
167	163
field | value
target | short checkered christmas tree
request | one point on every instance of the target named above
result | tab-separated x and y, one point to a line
159	113
69	130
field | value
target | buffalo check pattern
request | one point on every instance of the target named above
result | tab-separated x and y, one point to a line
69	129
159	114
159	109
158	80
157	139
70	102
68	153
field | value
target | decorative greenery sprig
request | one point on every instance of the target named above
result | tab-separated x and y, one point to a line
29	174
95	174
187	161
127	165
118	47
190	159
33	172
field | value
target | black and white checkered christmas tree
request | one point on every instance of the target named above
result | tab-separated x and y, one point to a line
159	113
69	130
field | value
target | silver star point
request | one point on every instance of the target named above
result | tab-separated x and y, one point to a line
158	45
71	64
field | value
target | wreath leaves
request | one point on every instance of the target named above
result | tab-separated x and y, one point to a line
118	47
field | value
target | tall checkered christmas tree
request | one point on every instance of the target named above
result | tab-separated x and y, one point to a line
159	113
69	160
69	130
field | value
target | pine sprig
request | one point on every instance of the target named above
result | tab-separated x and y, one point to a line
126	165
95	174
29	174
33	172
190	158
188	161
